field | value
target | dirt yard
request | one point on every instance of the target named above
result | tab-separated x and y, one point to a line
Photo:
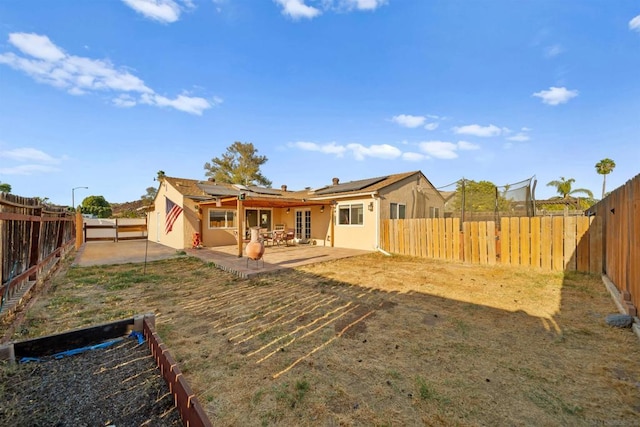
372	340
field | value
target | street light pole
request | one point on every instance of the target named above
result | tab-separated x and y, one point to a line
73	199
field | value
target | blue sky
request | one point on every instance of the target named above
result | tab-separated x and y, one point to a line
104	94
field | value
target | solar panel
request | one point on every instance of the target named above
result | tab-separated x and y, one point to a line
218	190
350	186
263	190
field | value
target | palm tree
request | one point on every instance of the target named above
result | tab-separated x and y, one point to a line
563	187
604	167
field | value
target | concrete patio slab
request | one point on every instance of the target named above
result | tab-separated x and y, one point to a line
274	258
223	257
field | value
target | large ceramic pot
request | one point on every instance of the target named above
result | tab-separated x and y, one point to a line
255	247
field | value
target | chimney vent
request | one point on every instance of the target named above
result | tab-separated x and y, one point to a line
336	181
284	188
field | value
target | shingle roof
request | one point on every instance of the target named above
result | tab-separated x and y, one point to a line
362	185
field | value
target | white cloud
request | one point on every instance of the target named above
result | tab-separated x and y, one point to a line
634	24
519	137
39	47
359	151
29	155
34	161
553	51
408	121
330	148
556	95
165	11
125	101
477	130
47	63
445	149
28	169
297	9
431	126
439	149
300	9
413	157
464	145
364	4
188	104
383	151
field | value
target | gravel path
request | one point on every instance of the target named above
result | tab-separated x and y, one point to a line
114	386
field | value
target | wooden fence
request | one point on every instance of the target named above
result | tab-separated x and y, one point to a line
558	243
33	237
620	213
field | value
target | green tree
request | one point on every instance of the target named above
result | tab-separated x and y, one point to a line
239	165
96	205
479	196
160	175
604	167
5	188
150	196
564	187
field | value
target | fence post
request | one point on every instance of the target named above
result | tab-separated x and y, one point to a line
79	229
34	244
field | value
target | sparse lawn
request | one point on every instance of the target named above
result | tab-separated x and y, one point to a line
372	340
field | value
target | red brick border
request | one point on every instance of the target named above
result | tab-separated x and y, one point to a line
191	412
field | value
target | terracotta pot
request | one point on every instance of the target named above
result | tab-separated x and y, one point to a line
255	248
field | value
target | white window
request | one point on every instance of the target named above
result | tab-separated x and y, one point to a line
398	211
219	218
351	214
434	212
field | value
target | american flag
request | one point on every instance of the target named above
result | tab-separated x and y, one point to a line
173	212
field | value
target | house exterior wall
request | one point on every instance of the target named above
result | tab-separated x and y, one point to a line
357	236
416	193
183	226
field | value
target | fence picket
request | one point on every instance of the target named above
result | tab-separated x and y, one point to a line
505	237
515	241
466	236
491	242
557	245
456	239
582	244
525	242
534	229
482	243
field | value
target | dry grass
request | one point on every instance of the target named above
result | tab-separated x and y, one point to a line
373	340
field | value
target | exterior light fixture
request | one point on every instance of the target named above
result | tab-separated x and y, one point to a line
371	206
322	209
288	210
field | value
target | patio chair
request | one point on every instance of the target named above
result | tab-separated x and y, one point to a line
278	237
289	236
266	236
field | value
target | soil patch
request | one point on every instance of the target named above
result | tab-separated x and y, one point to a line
118	385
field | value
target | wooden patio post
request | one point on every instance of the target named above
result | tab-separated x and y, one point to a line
240	226
333	216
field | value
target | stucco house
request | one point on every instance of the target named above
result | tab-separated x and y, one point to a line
344	215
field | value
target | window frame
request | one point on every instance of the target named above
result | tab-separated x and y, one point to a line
394	208
234	219
349	207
